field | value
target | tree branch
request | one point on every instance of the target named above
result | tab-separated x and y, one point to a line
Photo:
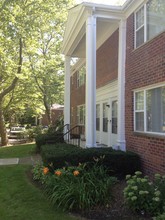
14	82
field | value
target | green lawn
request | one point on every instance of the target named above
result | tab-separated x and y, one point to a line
17	151
19	198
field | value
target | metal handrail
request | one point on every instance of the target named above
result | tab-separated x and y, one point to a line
71	135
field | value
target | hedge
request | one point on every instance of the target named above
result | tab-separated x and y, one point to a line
48	138
118	163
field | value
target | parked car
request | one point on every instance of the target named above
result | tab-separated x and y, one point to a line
17	133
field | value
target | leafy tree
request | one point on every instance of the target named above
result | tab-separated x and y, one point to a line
30	62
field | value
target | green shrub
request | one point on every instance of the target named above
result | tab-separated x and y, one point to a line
117	162
32	132
75	188
145	196
160	217
38	173
50	138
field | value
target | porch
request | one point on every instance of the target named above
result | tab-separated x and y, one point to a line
89	25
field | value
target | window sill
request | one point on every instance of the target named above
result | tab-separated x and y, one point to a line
143	134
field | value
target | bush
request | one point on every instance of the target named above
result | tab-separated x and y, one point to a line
75	188
117	162
160	217
38	173
50	138
143	195
32	132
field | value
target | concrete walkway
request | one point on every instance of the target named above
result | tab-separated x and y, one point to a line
31	160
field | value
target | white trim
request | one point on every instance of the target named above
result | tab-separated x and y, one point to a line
77	66
67	92
75	28
121	85
90	81
144	90
78	114
106	93
152	86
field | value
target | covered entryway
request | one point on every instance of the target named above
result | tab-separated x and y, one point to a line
107	115
89	25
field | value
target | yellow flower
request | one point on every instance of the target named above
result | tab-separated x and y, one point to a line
76	173
45	170
58	173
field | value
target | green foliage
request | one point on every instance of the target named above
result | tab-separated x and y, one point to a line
38	174
45	138
33	132
58	127
117	162
31	64
77	188
160	217
145	196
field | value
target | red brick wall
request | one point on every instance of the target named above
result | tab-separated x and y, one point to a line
144	66
107	61
107	68
55	114
77	98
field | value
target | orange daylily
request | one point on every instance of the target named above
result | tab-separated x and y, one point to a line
58	173
76	173
45	170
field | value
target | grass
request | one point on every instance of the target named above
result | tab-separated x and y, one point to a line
19	198
23	150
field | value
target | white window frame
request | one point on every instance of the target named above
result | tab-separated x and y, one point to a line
145	110
81	77
145	25
78	114
98	114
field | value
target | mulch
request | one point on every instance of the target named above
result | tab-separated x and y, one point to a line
116	211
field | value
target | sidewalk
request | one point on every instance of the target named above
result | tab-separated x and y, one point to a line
31	160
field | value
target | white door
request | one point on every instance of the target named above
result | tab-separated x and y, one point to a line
113	123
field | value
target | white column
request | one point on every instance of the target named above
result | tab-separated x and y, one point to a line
90	127
121	85
67	92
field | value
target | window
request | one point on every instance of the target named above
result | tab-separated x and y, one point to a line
98	117
149	108
81	114
114	117
81	76
105	117
139	27
149	21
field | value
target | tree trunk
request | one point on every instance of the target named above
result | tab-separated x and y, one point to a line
3	131
48	111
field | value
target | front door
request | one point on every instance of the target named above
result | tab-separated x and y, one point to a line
106	122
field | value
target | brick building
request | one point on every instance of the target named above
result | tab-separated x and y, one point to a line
57	111
116	89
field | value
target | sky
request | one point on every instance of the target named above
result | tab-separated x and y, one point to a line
109	2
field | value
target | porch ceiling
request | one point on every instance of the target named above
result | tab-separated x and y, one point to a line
104	29
74	43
